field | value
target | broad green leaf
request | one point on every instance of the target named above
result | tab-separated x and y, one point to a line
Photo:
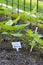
5	33
17	35
29	33
32	43
40	42
40	25
36	36
20	27
10	22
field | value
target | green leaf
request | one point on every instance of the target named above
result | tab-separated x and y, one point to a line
40	42
13	15
17	35
29	33
10	22
5	33
40	25
20	27
36	36
10	28
32	43
16	20
13	34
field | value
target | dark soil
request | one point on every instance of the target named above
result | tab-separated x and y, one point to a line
12	57
3	17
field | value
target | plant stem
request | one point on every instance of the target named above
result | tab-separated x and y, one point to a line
32	46
36	29
31	49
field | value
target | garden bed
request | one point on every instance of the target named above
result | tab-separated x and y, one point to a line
17	28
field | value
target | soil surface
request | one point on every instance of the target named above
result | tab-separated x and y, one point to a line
12	57
3	18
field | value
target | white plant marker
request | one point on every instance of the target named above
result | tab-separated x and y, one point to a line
16	45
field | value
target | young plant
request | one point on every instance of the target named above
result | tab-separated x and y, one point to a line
32	39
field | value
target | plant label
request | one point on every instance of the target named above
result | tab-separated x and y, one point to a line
16	45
